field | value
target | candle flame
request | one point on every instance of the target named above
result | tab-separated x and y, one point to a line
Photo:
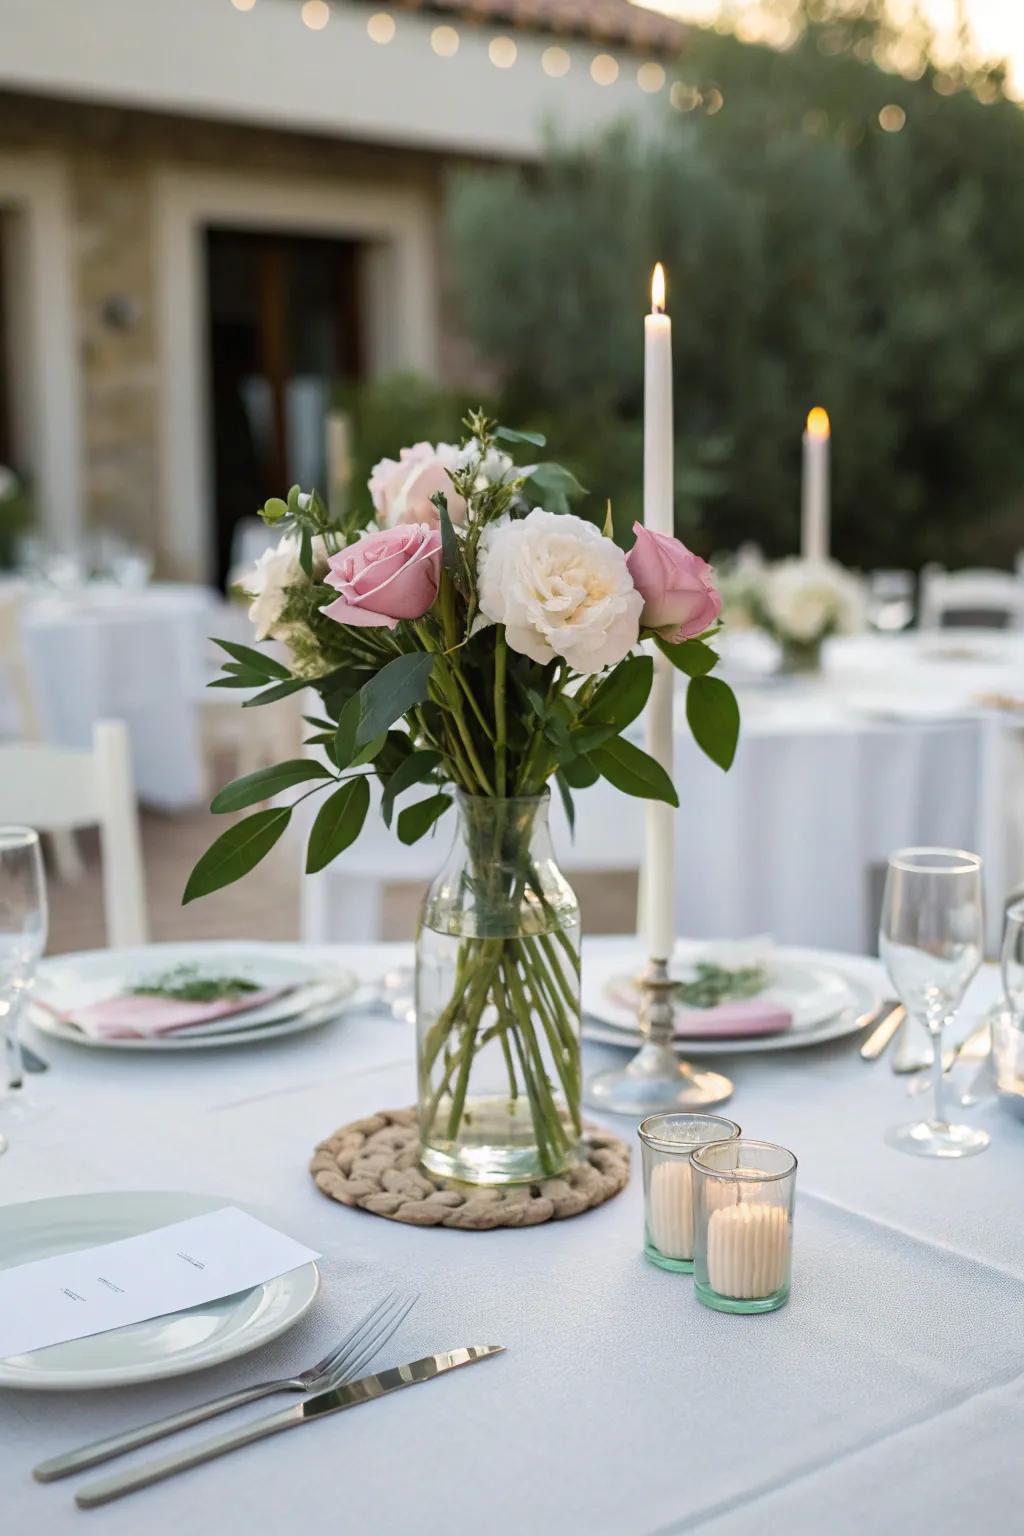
658	289
818	424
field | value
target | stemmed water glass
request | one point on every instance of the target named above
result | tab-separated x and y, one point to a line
1013	960
932	941
23	923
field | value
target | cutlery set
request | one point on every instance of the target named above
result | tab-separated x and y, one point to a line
329	1386
909	1056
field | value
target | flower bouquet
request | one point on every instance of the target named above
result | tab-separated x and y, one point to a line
471	639
800	603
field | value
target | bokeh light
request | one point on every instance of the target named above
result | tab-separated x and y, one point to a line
892	118
316	14
555	62
604	70
502	52
445	42
381	27
650	77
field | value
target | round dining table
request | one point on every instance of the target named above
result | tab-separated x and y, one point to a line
887	1395
898	740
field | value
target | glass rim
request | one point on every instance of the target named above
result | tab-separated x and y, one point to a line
18	837
910	860
1015	911
465	798
684	1148
746	1175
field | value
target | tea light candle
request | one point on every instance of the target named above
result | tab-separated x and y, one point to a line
748	1250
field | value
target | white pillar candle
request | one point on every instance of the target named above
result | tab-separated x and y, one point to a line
814	510
670	1210
657	876
748	1250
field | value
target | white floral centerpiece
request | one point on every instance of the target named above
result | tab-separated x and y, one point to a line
800	603
468	636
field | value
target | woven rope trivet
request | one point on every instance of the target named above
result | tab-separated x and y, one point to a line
373	1164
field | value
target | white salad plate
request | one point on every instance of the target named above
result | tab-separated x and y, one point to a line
827	1000
318	987
160	1346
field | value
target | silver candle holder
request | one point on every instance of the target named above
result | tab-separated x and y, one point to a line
656	1078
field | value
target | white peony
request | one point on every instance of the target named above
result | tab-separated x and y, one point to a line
560	588
275	571
805	600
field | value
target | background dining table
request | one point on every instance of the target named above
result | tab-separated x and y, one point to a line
886	1396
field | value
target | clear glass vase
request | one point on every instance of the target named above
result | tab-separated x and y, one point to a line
497	1001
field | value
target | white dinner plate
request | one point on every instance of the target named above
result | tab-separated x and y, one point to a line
811	992
320	986
161	1346
864	998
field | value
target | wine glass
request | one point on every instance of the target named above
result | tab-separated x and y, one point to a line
1013	960
22	941
932	940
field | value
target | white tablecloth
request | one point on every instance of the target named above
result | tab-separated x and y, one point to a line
140	657
887	1396
888	747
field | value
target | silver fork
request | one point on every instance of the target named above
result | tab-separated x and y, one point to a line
339	1365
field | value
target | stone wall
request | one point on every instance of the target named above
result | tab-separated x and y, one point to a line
111	156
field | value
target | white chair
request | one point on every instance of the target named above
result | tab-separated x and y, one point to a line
57	790
983	598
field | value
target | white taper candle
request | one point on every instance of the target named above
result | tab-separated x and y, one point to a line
814	509
658	881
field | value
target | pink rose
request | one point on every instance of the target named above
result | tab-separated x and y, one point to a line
390	575
680	598
401	491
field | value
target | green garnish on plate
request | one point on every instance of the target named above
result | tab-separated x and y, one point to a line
185	984
714	984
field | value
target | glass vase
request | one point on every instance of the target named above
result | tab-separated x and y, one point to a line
800	658
497	1001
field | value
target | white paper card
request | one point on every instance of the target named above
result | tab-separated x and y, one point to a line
92	1290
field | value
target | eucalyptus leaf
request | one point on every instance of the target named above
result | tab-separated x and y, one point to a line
238	680
260	661
690	656
265	783
414	770
338	823
553	485
633	771
579	772
510	435
713	716
418	819
278	691
236	851
306	553
394	690
345	736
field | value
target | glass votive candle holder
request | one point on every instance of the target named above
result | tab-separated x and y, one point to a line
667	1141
743	1195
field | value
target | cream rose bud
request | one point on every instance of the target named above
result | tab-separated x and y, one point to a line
680	597
275	571
401	489
560	588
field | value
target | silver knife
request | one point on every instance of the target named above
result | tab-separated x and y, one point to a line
321	1404
881	1035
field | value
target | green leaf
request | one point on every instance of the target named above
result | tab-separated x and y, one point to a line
236	851
265	783
417	819
258	660
579	772
623	694
567	801
395	689
554	484
345	736
306	553
274	509
589	737
449	543
632	771
714	718
238	680
339	822
691	656
510	435
278	691
417	767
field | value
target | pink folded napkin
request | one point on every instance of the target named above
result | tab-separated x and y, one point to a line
136	1018
732	1021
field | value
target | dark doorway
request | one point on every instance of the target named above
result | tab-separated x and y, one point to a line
6	431
284	331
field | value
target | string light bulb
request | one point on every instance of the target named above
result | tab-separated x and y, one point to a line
445	42
604	70
316	14
380	27
502	52
555	62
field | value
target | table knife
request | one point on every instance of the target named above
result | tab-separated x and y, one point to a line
882	1033
322	1403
